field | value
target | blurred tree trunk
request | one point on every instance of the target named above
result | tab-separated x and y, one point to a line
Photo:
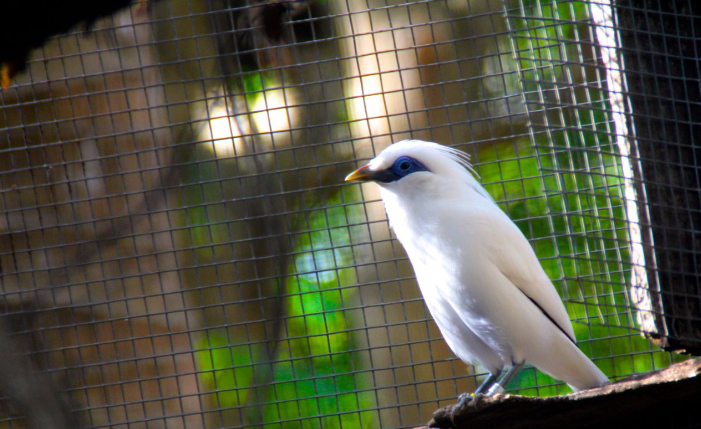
87	246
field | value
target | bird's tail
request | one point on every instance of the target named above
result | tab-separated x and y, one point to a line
588	375
571	365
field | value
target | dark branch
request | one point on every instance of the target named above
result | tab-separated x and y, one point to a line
666	398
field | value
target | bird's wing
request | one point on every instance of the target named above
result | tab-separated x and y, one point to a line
511	252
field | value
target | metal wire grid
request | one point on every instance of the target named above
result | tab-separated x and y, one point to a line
606	120
562	94
577	118
664	91
177	245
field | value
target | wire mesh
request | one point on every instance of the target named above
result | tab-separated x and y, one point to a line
663	85
593	94
178	248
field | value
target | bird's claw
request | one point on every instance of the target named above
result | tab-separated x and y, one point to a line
462	399
476	400
471	400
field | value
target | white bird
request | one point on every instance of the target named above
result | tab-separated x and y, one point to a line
477	272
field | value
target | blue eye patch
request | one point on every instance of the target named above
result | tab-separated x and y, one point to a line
402	167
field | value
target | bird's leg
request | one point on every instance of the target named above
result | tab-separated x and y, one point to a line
486	384
499	387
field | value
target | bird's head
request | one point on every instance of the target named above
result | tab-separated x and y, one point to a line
410	163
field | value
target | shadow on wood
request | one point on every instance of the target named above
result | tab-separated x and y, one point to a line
668	398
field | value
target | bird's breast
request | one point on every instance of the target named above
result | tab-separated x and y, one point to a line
445	240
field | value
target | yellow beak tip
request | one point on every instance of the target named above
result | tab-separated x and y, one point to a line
360	174
352	177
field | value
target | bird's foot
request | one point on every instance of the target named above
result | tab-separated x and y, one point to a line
462	399
471	400
476	399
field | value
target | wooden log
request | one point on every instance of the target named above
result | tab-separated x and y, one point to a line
669	398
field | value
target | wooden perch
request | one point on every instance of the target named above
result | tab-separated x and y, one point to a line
670	398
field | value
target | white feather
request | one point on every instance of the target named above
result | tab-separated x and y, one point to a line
477	272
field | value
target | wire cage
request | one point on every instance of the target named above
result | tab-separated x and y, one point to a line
178	247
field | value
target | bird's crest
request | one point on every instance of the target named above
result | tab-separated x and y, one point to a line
461	167
460	157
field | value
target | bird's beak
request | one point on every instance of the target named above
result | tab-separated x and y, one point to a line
363	174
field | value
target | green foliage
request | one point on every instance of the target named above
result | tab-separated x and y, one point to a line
567	189
226	369
317	380
317	374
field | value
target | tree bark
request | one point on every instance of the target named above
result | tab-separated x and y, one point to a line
667	399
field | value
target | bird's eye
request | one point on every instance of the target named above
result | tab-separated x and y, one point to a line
405	165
